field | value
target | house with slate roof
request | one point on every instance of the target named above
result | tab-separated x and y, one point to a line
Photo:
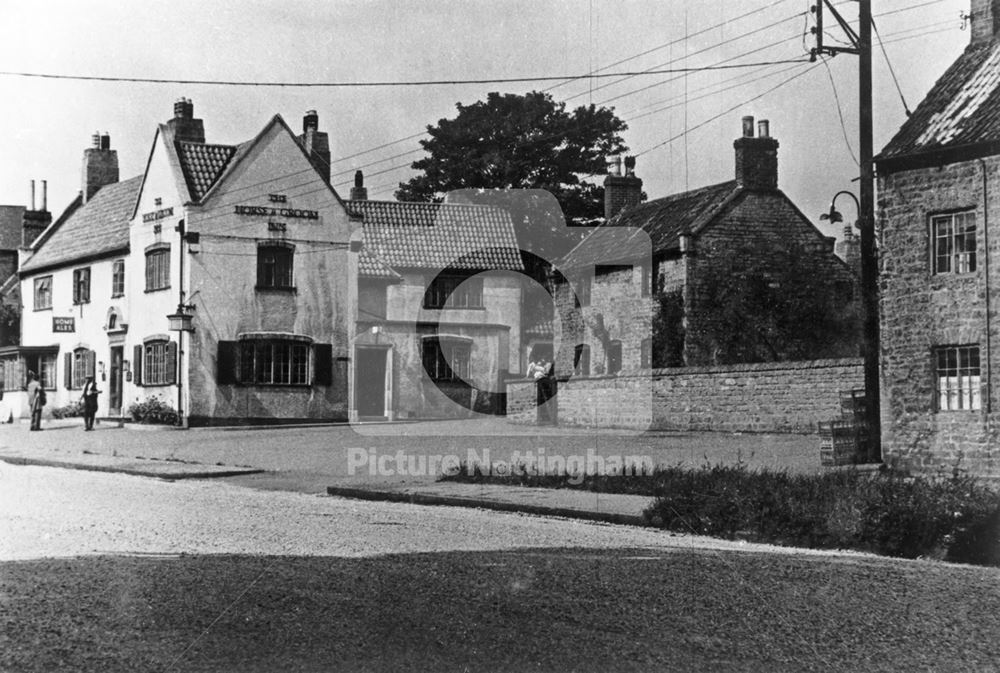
221	280
677	247
938	196
439	299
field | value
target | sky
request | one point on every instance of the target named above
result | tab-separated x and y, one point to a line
681	126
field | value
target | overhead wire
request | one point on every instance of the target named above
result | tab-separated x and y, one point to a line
840	111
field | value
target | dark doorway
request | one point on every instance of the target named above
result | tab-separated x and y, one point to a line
115	382
369	381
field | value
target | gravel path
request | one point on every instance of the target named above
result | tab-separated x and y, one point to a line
102	572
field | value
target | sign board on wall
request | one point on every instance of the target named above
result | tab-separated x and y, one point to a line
63	324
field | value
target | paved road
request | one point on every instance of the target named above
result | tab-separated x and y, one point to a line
107	573
310	459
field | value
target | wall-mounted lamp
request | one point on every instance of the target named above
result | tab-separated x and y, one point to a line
125	367
182	320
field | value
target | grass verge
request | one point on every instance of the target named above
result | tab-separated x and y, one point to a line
954	519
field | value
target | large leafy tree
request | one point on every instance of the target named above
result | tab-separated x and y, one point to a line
512	141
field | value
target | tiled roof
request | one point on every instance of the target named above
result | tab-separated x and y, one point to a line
11	218
663	220
371	266
99	226
962	108
202	164
439	235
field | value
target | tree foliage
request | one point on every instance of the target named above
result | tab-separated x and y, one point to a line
513	141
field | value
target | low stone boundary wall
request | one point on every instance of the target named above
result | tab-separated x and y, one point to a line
786	397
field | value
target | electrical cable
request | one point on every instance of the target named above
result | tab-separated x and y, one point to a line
892	71
840	111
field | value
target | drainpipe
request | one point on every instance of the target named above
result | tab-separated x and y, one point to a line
986	273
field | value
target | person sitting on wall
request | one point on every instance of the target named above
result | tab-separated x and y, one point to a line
36	400
89	398
545	389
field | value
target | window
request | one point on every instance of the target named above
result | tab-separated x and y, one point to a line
447	360
154	364
81	364
614	357
118	278
10	371
274	362
954	243
582	293
581	360
646	353
958	380
454	292
158	267
604	270
43	293
81	285
274	266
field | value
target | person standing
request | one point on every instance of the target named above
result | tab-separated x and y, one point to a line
89	397
36	400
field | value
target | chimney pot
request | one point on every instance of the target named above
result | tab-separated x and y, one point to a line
748	126
763	129
32	194
310	121
45	195
106	141
629	165
95	140
359	192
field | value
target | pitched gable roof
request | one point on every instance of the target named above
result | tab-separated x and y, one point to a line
202	164
663	220
370	266
961	109
98	227
407	235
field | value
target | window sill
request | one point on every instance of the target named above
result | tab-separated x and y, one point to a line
291	289
44	308
81	303
156	289
274	386
454	308
118	296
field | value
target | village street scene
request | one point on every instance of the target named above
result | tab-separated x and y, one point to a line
569	336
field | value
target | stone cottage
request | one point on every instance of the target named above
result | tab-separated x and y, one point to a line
938	209
731	272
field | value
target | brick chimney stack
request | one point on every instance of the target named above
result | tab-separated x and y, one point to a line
100	166
34	222
621	191
316	144
756	158
185	127
359	192
985	20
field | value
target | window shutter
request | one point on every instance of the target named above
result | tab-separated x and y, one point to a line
226	363
137	365
323	366
68	370
92	364
171	362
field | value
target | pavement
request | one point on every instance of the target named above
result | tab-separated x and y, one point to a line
325	459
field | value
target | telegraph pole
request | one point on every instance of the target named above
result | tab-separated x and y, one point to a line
860	44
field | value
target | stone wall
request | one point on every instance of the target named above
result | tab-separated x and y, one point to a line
921	310
786	397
